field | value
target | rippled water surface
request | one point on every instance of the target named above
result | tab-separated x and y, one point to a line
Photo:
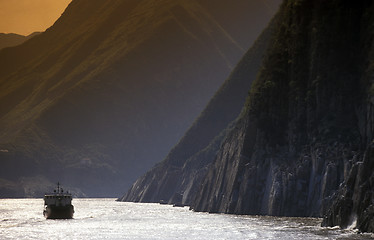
108	219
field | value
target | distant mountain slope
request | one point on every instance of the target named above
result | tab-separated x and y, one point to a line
12	39
257	13
110	87
185	166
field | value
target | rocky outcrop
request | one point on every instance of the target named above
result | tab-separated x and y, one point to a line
300	144
185	166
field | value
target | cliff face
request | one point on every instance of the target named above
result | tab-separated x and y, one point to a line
185	166
353	203
110	87
303	142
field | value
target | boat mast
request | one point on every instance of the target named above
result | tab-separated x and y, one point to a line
58	187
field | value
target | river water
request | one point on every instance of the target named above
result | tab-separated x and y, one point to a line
108	219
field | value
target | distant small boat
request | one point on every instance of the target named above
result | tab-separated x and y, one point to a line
178	205
58	205
163	202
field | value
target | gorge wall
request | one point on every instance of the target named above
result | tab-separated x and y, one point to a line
302	145
303	142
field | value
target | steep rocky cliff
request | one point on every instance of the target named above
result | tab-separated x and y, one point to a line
186	164
303	141
353	204
111	86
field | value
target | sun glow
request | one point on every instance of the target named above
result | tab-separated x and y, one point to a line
27	16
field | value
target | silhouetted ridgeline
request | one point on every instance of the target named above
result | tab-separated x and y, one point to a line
106	91
303	143
12	39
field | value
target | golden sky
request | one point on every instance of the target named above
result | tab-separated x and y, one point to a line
27	16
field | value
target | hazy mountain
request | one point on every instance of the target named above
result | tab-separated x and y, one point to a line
107	90
185	166
303	144
12	39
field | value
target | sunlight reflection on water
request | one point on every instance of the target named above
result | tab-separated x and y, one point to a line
108	219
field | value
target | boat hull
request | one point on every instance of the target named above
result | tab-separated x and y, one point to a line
59	212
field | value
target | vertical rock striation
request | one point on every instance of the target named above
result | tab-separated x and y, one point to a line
303	142
353	205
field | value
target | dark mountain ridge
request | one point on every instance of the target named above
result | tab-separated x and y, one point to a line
109	88
12	39
302	145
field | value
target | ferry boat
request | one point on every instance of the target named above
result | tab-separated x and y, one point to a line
58	205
